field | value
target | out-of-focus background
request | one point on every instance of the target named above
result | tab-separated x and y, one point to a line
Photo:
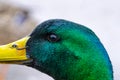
19	17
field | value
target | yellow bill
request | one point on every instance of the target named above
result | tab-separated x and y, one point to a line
15	51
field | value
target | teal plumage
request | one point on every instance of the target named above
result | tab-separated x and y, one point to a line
68	51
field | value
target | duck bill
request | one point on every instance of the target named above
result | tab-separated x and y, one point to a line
14	52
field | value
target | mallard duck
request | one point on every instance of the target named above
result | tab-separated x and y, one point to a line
62	49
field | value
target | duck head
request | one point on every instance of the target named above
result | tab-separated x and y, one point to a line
62	49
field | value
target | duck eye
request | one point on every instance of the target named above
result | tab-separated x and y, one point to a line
52	38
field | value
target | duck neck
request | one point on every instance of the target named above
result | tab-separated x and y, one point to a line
73	71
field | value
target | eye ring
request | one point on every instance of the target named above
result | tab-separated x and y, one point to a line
52	37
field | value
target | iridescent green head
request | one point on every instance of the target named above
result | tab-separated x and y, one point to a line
68	51
63	50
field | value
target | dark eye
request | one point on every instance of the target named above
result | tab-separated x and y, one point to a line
52	37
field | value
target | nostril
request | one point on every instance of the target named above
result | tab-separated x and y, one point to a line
14	46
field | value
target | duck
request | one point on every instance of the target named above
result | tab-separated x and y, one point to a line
63	49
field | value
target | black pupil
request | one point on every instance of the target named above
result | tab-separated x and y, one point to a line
52	37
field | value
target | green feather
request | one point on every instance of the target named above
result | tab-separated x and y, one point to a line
77	54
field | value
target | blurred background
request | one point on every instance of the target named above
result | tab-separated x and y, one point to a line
19	17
